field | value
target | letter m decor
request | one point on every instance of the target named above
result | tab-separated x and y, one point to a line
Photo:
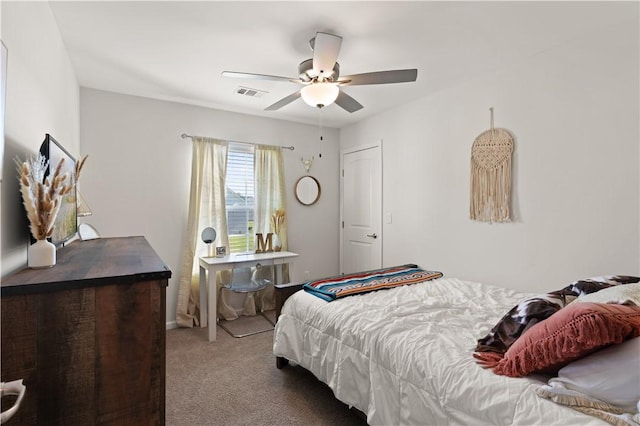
262	246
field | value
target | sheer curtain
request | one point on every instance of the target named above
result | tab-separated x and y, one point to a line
270	197
206	208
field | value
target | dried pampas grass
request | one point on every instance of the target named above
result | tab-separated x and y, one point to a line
79	166
42	197
277	220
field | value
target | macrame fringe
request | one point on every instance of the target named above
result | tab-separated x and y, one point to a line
608	412
579	402
488	359
491	192
616	420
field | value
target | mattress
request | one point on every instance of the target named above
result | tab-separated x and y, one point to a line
403	356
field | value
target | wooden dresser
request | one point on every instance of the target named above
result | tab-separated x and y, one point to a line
88	335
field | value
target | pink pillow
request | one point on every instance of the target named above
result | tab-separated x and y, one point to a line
571	333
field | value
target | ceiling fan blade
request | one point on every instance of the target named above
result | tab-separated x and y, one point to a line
235	74
284	101
347	102
325	53
380	77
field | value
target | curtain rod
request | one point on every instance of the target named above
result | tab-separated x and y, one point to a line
185	136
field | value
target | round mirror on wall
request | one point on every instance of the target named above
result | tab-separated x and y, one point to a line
307	190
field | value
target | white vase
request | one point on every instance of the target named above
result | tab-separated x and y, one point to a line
41	254
277	244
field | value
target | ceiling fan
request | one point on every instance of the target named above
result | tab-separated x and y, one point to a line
321	79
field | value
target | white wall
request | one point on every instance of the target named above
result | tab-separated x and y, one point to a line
42	97
574	113
137	176
573	110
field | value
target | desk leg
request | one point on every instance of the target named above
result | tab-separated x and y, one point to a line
213	304
203	297
279	272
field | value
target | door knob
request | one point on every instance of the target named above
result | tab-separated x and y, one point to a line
374	236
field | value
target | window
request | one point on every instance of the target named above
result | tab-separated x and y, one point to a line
245	203
240	197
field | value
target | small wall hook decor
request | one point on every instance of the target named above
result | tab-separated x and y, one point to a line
307	163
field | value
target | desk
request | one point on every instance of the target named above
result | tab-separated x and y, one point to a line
211	265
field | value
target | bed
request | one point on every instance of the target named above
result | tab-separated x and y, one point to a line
404	355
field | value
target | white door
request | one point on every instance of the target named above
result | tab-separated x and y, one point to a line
361	194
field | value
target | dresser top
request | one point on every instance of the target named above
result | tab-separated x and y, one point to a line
89	264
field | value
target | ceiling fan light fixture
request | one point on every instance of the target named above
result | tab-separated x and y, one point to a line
320	94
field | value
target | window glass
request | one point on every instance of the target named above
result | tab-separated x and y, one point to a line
239	194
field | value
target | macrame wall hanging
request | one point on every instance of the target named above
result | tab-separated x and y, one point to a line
491	175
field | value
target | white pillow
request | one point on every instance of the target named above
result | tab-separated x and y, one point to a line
611	375
617	294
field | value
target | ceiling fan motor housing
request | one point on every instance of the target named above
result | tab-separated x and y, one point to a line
306	73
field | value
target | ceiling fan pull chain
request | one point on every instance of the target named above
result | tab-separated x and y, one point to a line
321	128
320	119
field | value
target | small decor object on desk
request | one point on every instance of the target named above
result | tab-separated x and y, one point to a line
221	251
87	232
277	221
264	245
42	198
208	237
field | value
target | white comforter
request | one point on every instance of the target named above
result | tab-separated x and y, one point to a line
404	356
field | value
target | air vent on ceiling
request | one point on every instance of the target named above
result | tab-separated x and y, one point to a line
247	91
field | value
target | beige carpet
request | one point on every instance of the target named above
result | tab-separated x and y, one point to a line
234	381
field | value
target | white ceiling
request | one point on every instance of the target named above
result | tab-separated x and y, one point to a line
177	50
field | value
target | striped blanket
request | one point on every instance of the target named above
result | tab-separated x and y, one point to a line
363	282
